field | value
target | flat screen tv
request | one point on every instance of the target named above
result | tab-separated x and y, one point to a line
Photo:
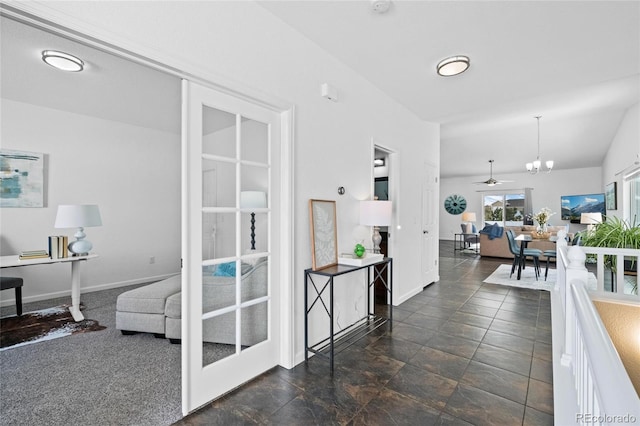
572	206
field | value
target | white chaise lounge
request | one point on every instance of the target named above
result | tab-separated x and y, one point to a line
156	308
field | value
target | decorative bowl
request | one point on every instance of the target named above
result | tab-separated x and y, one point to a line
540	235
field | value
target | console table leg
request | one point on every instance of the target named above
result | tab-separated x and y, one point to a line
331	324
75	291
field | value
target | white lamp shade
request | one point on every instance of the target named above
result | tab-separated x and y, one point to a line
375	213
468	217
78	216
590	218
253	199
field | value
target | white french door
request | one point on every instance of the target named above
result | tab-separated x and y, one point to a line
230	218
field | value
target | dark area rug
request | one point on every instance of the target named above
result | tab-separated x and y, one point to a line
45	324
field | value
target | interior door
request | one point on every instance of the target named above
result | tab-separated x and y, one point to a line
429	262
230	312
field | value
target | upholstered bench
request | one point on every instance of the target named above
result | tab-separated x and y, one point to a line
142	309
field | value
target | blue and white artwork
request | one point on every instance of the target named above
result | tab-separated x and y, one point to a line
21	179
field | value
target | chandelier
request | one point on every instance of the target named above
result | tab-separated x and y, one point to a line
534	167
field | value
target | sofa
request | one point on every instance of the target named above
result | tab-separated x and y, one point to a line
499	246
157	308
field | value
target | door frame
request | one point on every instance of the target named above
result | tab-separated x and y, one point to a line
394	190
45	16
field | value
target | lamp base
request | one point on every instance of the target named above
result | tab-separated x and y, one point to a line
80	247
377	239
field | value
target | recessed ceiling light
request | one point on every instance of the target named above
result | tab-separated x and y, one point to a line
62	61
453	66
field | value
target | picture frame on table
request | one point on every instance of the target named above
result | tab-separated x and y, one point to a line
324	234
611	196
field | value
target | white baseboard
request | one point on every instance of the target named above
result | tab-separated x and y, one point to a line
401	299
90	289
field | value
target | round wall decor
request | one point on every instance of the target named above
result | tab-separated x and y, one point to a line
455	204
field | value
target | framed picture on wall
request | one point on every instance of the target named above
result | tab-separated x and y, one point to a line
21	178
324	248
611	196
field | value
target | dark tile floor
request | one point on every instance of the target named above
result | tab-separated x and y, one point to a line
461	352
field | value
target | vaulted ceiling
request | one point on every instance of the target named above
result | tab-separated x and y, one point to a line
575	63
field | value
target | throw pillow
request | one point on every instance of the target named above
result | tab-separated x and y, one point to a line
225	270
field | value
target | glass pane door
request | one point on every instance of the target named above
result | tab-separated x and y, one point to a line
229	330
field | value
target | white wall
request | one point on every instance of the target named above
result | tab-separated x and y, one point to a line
624	150
241	44
547	190
132	173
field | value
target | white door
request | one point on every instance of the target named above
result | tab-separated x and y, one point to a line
230	312
429	226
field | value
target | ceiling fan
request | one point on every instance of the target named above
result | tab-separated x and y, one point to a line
491	181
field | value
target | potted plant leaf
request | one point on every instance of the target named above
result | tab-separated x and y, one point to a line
615	233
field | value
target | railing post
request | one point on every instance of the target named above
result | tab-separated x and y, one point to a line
575	272
561	245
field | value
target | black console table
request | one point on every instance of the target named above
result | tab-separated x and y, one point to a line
338	341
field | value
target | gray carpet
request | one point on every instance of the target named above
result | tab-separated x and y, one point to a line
93	378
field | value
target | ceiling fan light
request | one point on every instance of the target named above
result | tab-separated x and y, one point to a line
549	164
453	65
62	61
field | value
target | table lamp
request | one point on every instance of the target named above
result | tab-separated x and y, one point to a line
375	213
78	216
590	219
253	200
469	218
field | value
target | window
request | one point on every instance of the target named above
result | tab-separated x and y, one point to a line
505	209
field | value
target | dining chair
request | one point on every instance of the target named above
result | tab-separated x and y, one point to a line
549	254
527	252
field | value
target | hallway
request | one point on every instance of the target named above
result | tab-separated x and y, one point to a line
461	352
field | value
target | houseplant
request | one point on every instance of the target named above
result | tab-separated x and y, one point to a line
615	233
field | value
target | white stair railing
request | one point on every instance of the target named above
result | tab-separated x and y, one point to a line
591	385
618	284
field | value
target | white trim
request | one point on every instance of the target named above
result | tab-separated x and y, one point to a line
287	195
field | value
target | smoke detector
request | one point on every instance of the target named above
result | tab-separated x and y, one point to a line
380	6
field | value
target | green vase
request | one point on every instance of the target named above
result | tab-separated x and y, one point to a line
359	250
